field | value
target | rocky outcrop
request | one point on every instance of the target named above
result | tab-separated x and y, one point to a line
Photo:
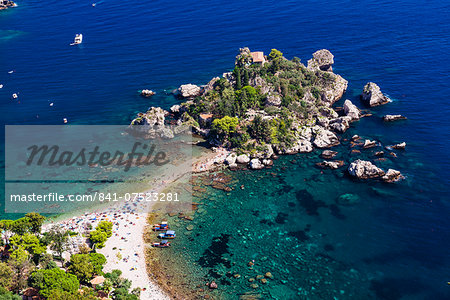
263	85
175	108
400	146
333	92
243	159
369	144
147	93
392	176
372	95
300	146
210	85
390	118
189	90
328	154
325	139
364	169
340	124
322	60
273	100
151	124
255	164
351	110
231	159
326	164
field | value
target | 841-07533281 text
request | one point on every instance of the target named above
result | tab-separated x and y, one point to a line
97	196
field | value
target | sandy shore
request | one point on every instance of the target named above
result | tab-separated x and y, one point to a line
125	249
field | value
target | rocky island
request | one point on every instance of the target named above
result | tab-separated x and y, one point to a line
4	4
267	106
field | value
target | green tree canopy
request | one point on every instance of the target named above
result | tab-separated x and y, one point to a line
35	221
6	275
50	280
98	238
106	227
275	54
82	267
7	295
29	242
58	239
226	125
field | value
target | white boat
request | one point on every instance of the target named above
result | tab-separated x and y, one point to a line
78	39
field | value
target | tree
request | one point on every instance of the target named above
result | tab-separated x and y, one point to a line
97	260
54	279
246	78
114	276
35	221
260	129
87	294
275	54
226	125
81	266
106	227
59	241
6	228
237	76
29	242
6	275
98	238
19	261
7	295
21	226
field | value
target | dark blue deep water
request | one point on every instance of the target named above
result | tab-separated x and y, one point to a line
398	237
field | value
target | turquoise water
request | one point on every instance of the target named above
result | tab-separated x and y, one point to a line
395	237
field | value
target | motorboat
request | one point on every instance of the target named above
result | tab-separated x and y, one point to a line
78	39
169	234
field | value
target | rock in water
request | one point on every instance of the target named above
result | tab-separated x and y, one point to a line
328	154
392	176
255	164
400	146
364	169
322	60
390	118
325	139
189	90
369	144
372	95
147	93
231	159
351	110
326	164
243	159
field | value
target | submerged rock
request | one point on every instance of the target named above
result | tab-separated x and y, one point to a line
372	95
390	118
364	169
348	199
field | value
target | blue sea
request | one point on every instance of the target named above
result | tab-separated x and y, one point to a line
396	238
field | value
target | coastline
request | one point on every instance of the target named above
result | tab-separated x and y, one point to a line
126	249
